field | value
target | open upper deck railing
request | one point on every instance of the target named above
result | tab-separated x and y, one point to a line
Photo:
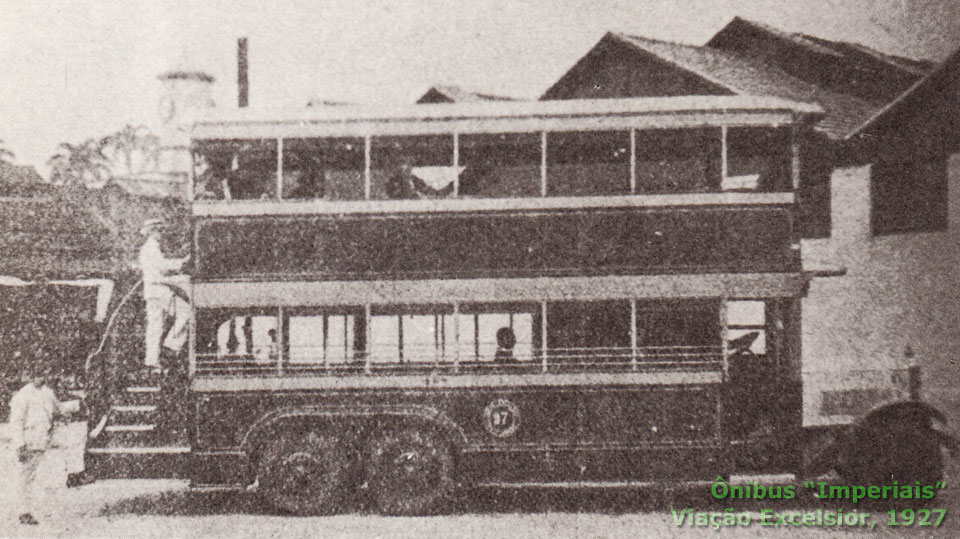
510	150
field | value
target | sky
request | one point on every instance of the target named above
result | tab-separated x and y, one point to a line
77	69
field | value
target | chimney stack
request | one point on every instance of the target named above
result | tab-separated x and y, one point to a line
243	84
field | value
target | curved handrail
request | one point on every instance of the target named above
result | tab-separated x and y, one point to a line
109	326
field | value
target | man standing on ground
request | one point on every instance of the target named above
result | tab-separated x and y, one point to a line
159	297
32	410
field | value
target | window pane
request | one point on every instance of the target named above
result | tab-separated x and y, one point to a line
248	335
329	168
678	160
306	339
588	163
422	338
745	313
236	169
758	159
384	338
582	330
489	325
414	167
500	165
468	338
523	330
673	326
339	337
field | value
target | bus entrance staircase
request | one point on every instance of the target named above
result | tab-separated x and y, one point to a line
143	433
136	416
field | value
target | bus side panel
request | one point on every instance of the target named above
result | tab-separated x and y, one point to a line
522	434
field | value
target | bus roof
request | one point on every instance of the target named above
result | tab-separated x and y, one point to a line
218	123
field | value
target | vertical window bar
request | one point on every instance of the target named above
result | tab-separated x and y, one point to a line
633	334
324	321
476	337
437	338
279	339
723	154
456	336
192	338
724	336
795	157
369	340
543	163
400	336
192	189
279	169
366	167
456	165
543	333
633	161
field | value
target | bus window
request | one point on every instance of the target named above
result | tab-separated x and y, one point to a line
327	168
758	158
504	165
236	341
588	163
678	160
236	169
678	331
501	333
412	335
590	333
747	318
322	338
414	167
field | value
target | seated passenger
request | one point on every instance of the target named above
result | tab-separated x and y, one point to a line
211	180
506	340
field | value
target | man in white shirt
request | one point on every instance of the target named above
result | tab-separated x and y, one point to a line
160	300
32	410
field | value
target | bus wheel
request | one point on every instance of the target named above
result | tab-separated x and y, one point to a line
902	454
410	471
304	473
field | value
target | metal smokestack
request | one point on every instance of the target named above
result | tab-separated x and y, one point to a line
243	84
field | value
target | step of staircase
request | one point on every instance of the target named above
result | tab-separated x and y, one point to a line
139	396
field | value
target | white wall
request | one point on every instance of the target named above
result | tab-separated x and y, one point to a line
899	290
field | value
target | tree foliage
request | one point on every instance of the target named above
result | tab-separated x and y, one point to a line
6	155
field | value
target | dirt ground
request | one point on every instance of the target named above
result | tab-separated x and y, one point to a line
136	508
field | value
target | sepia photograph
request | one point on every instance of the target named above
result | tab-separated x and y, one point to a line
426	268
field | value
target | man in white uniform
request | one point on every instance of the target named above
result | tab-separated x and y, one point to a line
160	300
32	410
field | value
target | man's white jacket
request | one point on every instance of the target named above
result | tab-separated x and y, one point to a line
32	410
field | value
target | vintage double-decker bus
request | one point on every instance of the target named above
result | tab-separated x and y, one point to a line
391	303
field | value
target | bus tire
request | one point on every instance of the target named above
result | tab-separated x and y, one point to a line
410	470
886	453
304	473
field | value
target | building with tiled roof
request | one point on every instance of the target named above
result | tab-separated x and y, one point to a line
456	94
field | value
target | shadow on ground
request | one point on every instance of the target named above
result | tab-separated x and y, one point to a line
479	501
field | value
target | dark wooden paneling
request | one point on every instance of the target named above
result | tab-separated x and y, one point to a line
621	241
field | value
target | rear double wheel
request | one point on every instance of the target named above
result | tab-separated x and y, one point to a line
305	473
410	470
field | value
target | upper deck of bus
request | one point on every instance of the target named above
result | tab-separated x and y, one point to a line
565	153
